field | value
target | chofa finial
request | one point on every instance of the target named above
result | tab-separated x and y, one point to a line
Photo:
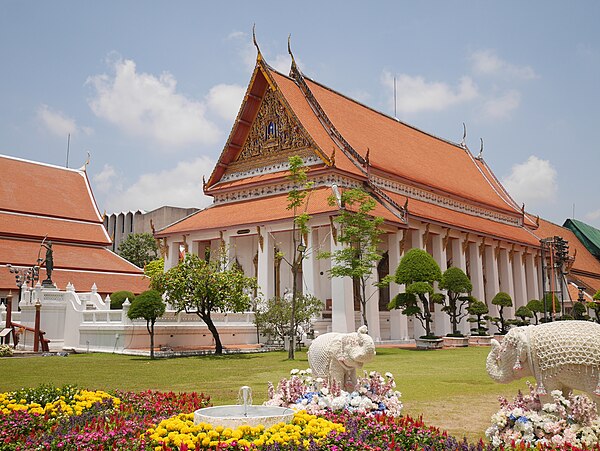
480	155
259	55
463	142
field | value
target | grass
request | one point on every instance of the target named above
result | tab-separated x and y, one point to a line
449	388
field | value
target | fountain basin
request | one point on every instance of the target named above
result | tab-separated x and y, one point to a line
234	416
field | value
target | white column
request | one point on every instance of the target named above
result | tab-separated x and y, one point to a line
266	257
533	288
372	306
492	286
476	271
309	264
441	320
342	300
519	279
506	280
398	321
172	256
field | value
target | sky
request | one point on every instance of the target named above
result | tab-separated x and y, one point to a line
150	89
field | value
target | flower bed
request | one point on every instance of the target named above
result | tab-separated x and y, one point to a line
571	422
374	393
74	419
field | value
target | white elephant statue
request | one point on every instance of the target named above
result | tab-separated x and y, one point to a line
336	356
562	355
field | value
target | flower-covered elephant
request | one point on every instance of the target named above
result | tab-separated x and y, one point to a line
336	356
561	355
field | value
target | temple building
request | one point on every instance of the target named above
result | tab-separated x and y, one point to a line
41	203
434	194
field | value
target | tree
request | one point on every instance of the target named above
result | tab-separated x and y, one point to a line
501	300
457	284
297	198
552	306
273	316
580	311
119	297
149	305
138	248
595	306
478	310
417	271
523	313
535	306
154	271
359	234
201	287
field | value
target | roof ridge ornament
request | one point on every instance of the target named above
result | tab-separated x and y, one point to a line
87	161
463	142
294	66
480	155
259	56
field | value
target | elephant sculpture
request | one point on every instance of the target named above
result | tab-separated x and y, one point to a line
562	355
336	356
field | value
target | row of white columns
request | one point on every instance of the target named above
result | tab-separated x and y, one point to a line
503	269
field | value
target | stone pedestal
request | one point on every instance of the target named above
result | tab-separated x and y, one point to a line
429	343
456	342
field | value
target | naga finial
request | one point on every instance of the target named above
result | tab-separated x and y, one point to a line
259	55
463	142
480	155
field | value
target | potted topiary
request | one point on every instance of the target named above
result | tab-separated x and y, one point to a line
417	271
535	306
457	285
479	334
522	315
501	300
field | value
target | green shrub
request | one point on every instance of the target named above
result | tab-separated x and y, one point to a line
6	351
118	297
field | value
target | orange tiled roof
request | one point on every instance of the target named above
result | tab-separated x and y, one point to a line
406	152
47	190
469	223
257	211
593	283
54	228
81	265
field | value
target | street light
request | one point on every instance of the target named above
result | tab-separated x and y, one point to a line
25	276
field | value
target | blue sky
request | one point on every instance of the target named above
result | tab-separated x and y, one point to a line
151	88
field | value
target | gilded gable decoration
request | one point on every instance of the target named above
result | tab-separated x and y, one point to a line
274	131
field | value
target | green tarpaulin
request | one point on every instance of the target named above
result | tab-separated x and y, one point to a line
588	235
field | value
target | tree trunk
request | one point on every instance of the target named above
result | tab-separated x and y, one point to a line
215	333
363	301
151	332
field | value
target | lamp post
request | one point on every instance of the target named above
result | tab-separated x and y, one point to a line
25	275
36	333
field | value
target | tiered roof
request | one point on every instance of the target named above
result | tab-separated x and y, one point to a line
40	201
348	139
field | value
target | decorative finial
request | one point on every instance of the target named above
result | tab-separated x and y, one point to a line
152	227
463	142
406	205
537	220
523	208
259	55
367	157
203	182
332	158
480	156
83	168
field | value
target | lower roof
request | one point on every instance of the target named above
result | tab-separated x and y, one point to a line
81	265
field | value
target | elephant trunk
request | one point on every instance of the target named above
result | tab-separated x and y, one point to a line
498	368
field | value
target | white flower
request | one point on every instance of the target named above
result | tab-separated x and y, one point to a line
325	390
294	371
372	373
389	375
319	380
355	402
308	371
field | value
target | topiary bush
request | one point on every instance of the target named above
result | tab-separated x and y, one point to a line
118	297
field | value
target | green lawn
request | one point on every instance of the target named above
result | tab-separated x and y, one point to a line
449	388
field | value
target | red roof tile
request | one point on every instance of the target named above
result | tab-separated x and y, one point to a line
54	228
41	189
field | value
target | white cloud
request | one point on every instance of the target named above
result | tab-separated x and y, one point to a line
415	94
180	186
593	215
501	107
282	63
225	100
58	123
105	180
532	182
147	106
246	48
487	62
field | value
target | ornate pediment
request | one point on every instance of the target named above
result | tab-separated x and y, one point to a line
274	136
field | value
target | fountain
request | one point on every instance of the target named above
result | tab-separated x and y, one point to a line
244	413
